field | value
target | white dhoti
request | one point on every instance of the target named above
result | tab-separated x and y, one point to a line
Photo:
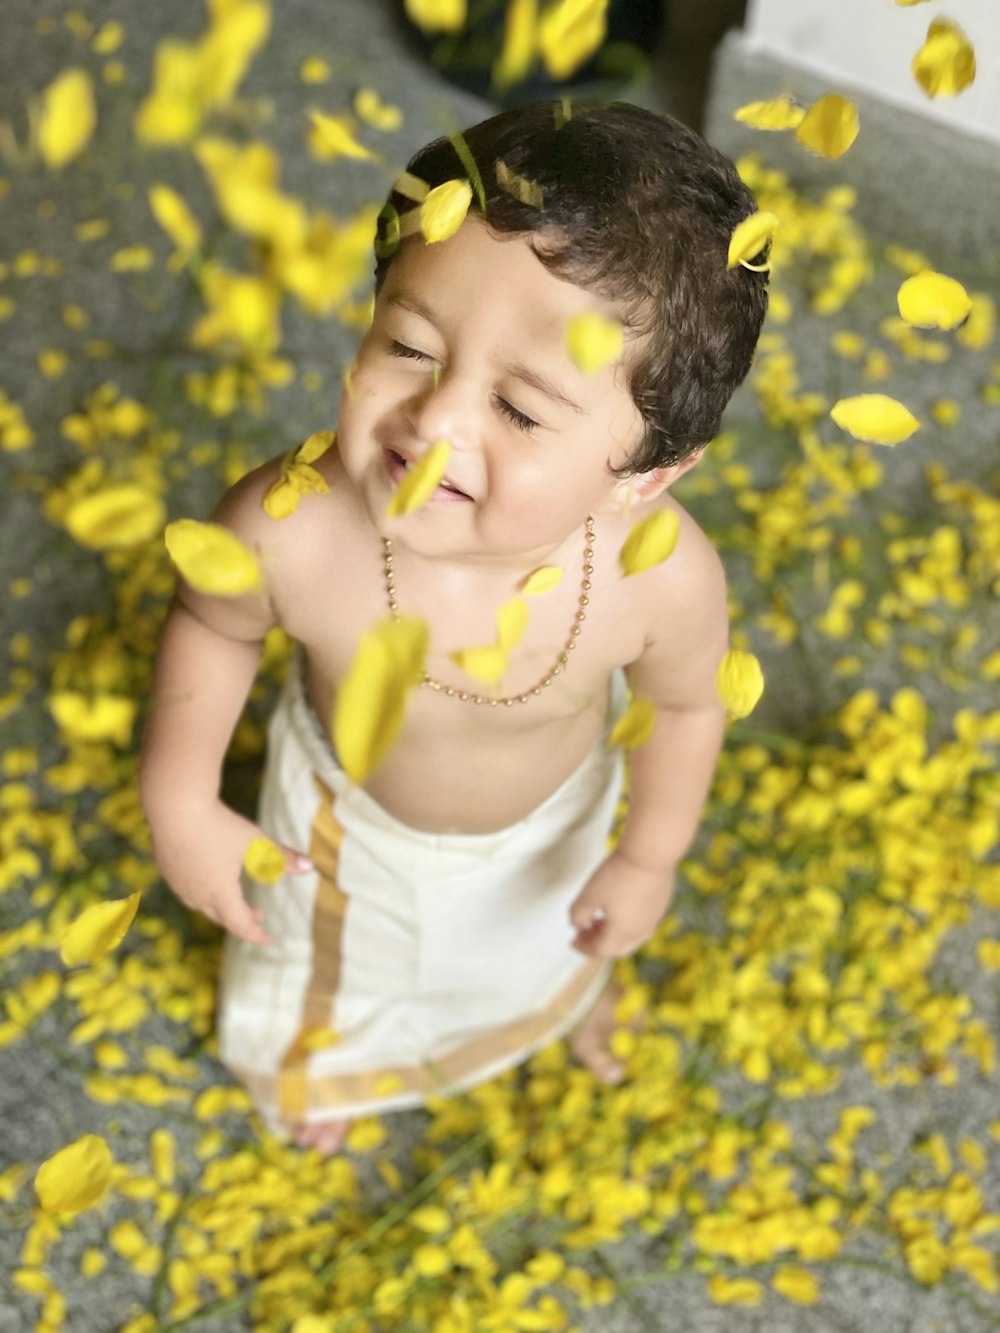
437	960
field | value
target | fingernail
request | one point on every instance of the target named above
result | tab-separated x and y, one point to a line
303	863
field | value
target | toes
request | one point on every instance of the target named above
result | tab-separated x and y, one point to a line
326	1138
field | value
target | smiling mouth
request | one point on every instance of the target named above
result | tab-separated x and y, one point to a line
447	486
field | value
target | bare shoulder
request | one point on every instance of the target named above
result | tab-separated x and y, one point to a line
686	617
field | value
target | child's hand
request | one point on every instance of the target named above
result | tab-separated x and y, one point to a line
619	907
200	850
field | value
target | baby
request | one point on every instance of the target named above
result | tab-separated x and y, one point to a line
459	910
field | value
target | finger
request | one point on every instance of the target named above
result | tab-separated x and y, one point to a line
239	920
296	863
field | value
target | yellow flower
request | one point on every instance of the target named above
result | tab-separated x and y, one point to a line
780	113
569	33
420	481
444	209
98	717
437	15
543	579
520	42
734	1291
649	542
370	701
176	219
635	726
593	341
116	516
264	860
369	107
740	683
333	136
946	63
298	476
749	238
68	118
875	417
932	301
77	1176
829	127
212	559
98	928
796	1284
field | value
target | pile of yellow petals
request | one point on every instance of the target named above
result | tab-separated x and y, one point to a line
803	974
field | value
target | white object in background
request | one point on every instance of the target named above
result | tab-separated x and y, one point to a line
867	45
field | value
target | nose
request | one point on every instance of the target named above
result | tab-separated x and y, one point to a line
444	409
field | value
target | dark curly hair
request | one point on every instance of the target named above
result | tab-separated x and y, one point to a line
634	206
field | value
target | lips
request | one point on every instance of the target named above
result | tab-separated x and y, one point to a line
397	461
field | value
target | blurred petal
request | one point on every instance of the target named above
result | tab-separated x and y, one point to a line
117	516
264	861
740	682
829	127
946	63
370	108
569	33
635	726
780	113
420	481
77	1176
649	542
212	559
543	579
874	417
593	341
369	705
98	717
97	929
520	41
68	118
933	301
750	237
512	621
333	136
486	664
437	15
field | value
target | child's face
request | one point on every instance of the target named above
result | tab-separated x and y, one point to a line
453	324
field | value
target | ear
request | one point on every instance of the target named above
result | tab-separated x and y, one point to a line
646	486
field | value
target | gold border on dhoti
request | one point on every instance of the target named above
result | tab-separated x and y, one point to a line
298	1092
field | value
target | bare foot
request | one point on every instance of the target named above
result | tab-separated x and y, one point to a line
590	1040
327	1138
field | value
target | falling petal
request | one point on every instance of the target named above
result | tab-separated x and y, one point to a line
370	108
316	446
780	113
176	219
512	621
593	341
486	664
829	127
740	682
333	136
875	418
933	301
264	860
437	15
117	516
946	63
749	239
97	929
543	579
443	211
420	482
212	559
68	118
370	700
649	542
569	33
635	726
77	1176
520	42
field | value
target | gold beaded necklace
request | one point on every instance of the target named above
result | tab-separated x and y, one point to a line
553	671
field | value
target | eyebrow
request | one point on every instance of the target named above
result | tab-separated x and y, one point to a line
514	369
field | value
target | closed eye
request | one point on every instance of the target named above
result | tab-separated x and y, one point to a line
520	419
401	349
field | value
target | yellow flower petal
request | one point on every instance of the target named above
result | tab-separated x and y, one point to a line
739	682
98	928
649	542
67	119
370	700
543	579
750	237
77	1176
512	621
735	1290
264	860
281	499
176	219
319	1039
212	559
569	33
635	726
97	717
486	664
520	41
443	211
370	108
116	516
420	482
829	127
333	136
780	113
874	417
933	301
946	63
593	341
796	1284
437	15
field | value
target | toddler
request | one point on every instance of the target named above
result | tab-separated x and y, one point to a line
459	910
